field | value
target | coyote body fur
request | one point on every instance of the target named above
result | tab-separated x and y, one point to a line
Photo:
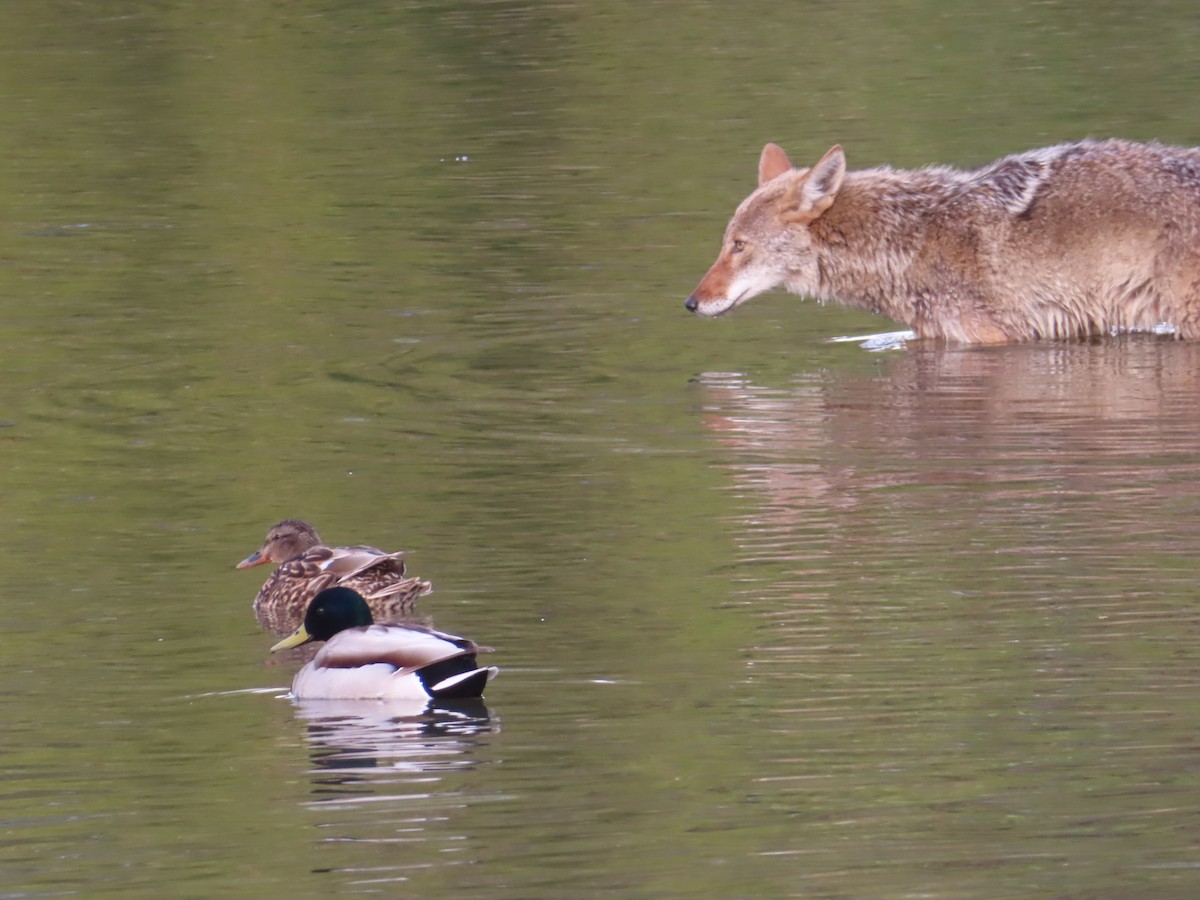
1076	240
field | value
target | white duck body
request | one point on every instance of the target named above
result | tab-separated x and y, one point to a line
393	662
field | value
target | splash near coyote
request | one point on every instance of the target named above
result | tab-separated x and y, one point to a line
1071	241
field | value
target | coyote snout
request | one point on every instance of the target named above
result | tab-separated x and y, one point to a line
767	243
1076	240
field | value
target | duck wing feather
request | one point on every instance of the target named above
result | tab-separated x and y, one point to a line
406	647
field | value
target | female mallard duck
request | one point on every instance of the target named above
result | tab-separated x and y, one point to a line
306	565
365	661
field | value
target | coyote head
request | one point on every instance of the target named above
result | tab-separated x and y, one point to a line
767	243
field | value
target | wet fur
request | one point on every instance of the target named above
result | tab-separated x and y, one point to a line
1075	240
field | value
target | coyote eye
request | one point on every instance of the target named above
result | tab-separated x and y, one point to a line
739	246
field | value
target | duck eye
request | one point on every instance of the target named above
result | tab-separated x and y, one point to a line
739	246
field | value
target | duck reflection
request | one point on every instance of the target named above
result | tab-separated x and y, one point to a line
354	741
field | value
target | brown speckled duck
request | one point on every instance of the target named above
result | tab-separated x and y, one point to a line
306	566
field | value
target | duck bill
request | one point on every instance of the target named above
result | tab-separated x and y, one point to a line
257	558
295	639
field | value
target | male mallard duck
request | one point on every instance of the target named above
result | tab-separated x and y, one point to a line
306	566
362	660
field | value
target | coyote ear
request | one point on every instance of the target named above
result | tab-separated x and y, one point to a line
772	162
818	188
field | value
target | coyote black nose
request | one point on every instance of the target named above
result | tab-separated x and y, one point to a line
690	304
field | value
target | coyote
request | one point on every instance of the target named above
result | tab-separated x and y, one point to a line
1071	241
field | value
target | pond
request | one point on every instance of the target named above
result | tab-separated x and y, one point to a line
775	616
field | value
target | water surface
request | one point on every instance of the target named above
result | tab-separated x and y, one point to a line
775	617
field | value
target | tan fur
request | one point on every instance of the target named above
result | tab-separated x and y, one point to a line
1076	240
